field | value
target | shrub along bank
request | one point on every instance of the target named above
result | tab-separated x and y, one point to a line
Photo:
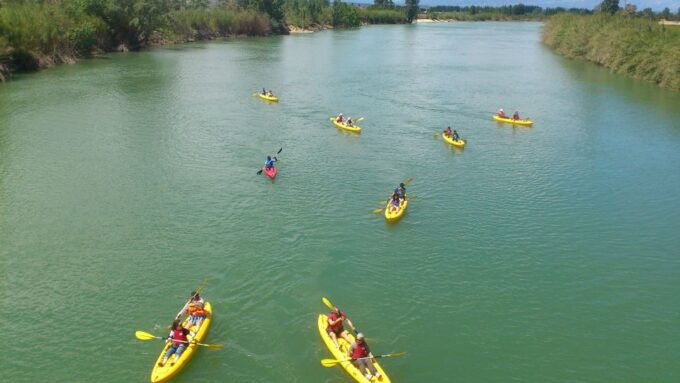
632	45
41	33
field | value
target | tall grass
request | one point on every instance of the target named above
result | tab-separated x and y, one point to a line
203	23
483	16
383	15
634	46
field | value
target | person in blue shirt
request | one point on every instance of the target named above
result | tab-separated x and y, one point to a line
456	137
400	191
270	162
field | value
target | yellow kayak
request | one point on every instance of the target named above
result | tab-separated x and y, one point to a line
342	354
394	215
162	374
457	143
340	125
268	98
514	122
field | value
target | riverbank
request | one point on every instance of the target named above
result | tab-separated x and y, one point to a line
40	35
637	47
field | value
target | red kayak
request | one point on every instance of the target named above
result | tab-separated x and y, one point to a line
271	173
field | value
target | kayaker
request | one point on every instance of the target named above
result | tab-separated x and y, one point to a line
193	298
335	328
395	202
349	121
447	131
456	137
361	357
270	162
196	316
400	191
264	92
270	93
178	337
339	118
501	114
516	116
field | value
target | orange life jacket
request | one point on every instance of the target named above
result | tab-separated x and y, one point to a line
196	310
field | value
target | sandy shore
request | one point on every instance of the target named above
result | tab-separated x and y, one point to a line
432	21
668	22
298	30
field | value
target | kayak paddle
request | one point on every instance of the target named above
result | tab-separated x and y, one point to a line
198	290
142	335
330	306
276	159
333	362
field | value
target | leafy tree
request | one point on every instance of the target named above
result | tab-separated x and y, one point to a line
384	3
647	13
609	6
412	10
345	15
666	14
629	10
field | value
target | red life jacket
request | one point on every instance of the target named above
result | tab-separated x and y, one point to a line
360	350
337	328
179	334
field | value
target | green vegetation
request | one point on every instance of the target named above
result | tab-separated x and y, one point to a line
40	33
631	44
502	13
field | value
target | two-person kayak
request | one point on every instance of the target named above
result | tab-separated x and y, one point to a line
342	354
392	214
513	121
342	125
459	143
268	98
168	370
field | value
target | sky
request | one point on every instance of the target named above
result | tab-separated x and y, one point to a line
657	5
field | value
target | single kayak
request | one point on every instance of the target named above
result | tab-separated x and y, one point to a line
268	98
458	143
271	173
162	374
394	215
514	122
340	125
342	353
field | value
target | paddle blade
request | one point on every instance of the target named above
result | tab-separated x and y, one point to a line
259	172
377	211
408	181
329	362
393	354
279	151
327	302
213	346
142	335
359	119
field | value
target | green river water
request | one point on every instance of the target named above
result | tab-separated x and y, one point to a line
544	254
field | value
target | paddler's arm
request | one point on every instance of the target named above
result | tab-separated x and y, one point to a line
182	310
349	322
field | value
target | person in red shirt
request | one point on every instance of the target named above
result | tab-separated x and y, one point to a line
361	357
501	114
335	328
339	118
516	116
178	337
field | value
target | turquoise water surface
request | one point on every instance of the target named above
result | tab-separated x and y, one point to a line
544	254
